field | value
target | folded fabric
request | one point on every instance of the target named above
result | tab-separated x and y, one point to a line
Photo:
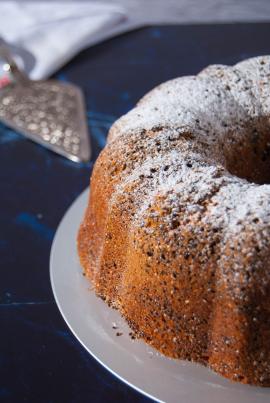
45	35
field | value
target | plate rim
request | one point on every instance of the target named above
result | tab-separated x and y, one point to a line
59	306
63	223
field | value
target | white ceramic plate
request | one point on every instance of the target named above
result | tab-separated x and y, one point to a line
141	367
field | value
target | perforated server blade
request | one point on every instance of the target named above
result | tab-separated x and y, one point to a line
48	112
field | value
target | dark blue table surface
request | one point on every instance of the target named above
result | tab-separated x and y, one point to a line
40	360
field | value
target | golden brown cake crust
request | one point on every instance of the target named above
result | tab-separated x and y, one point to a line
176	234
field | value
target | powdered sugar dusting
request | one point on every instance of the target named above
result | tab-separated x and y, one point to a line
177	231
176	168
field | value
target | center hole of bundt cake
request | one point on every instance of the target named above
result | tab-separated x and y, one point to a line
248	156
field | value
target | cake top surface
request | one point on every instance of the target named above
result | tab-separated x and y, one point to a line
199	146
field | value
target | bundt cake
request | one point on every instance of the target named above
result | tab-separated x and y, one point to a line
177	231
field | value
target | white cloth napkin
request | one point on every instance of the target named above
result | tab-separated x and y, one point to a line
45	35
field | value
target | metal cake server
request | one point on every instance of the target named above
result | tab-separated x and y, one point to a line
48	112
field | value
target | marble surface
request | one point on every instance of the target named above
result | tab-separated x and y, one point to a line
40	360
